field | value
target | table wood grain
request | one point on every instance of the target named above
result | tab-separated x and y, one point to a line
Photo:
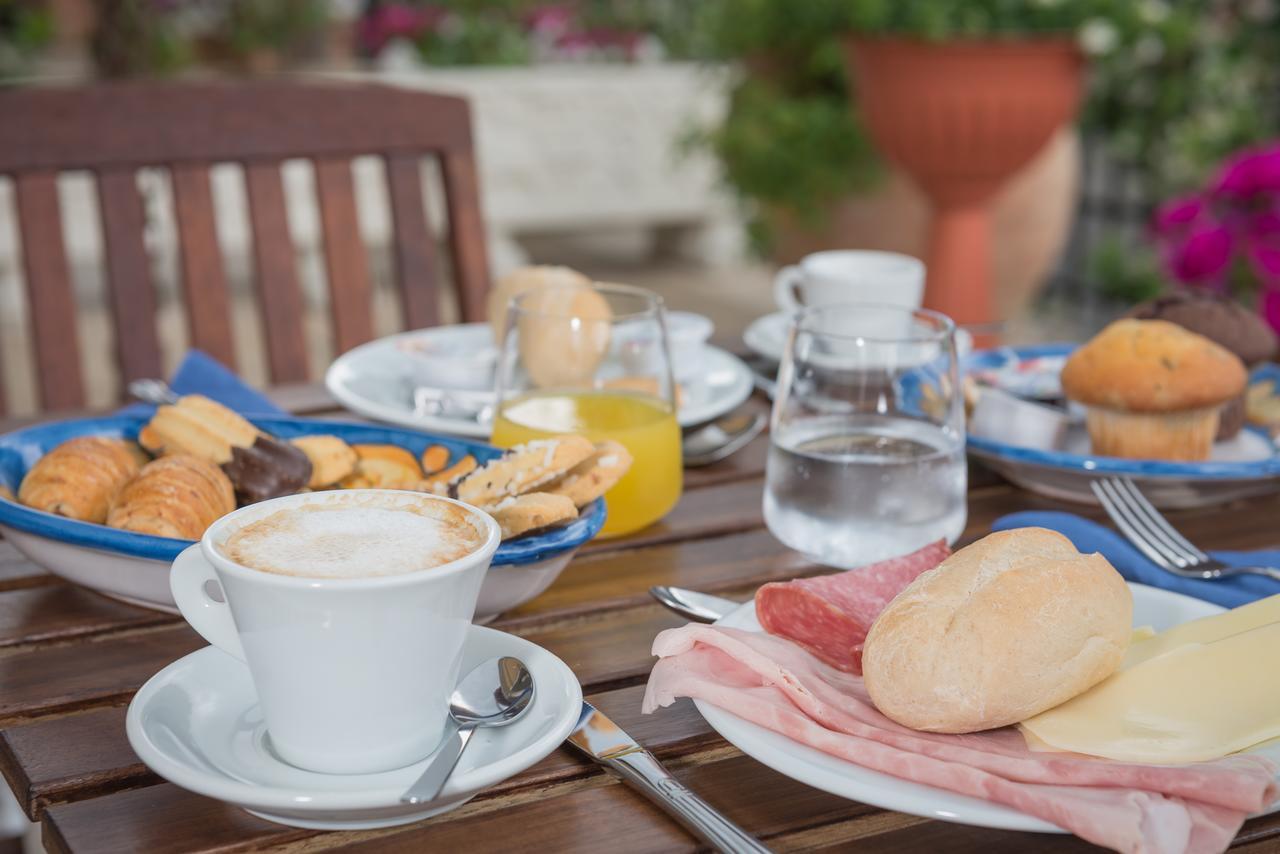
70	660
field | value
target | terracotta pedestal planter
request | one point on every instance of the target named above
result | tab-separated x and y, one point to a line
960	118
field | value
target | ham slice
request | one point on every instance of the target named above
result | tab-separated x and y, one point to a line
830	615
1142	809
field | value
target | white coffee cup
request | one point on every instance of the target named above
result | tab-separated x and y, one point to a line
849	276
353	674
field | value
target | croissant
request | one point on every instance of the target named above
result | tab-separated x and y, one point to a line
80	478
174	496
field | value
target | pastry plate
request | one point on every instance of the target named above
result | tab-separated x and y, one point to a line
197	723
135	567
376	379
1244	466
1160	609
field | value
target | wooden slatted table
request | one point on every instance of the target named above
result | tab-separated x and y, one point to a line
71	659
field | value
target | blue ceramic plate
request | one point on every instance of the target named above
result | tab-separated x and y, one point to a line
20	450
1246	465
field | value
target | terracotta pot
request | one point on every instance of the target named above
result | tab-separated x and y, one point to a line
960	118
1031	217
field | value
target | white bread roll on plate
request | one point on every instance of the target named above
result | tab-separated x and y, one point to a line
1002	630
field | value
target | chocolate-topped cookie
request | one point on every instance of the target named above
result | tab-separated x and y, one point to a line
1223	321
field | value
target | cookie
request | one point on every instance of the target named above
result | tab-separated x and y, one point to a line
595	475
534	511
383	467
331	459
434	458
444	481
523	469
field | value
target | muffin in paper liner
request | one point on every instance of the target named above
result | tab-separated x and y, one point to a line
1184	436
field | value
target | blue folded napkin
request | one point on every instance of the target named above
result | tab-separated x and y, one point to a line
200	373
1132	564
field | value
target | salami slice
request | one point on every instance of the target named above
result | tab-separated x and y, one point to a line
830	615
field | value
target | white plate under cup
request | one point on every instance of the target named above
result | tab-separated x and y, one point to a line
353	674
850	275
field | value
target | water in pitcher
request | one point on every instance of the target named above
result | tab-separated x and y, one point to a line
848	491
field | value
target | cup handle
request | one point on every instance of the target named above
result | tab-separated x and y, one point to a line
189	578
784	288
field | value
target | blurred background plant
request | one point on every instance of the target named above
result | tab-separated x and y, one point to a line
25	28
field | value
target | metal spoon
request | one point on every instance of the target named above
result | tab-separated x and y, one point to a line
495	693
720	438
437	403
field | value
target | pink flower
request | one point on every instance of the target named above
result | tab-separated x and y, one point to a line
1269	306
1203	256
1174	215
1248	173
395	20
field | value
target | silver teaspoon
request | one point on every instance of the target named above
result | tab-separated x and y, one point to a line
495	693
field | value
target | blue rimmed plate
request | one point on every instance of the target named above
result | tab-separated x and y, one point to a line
1245	466
135	567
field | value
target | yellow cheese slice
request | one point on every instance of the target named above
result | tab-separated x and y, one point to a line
1205	630
1215	692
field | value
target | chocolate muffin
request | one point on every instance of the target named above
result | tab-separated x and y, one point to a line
1225	322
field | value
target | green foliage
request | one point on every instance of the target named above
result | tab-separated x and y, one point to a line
1192	82
937	20
25	27
1126	274
479	32
284	26
133	37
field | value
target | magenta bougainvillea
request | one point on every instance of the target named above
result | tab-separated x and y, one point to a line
1227	235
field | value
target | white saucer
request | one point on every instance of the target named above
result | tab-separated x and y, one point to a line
197	724
375	380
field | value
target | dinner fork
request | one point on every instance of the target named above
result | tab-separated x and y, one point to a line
1145	527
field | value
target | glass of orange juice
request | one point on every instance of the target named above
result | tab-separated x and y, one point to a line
595	361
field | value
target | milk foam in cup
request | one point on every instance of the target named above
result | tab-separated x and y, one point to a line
350	610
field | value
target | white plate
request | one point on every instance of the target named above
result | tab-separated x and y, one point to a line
375	379
1153	607
197	724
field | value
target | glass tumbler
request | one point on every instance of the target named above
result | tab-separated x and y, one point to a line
595	361
866	457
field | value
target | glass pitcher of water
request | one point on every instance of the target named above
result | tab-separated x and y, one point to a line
866	459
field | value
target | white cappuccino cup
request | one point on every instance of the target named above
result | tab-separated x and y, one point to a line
350	610
850	276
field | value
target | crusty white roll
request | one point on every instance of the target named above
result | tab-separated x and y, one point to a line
1002	630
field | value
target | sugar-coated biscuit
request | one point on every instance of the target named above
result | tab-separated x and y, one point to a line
594	476
524	468
532	512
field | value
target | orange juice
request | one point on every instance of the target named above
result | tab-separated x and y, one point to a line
645	425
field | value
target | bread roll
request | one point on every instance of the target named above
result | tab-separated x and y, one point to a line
175	496
564	335
526	279
1004	629
80	478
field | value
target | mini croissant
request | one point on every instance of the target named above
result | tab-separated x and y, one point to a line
80	478
174	496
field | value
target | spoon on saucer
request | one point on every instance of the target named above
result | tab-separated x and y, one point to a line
720	438
495	693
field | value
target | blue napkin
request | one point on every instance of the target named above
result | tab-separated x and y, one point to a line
200	373
1132	564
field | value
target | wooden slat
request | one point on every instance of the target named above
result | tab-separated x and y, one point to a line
350	295
466	233
65	678
70	758
50	299
204	278
277	274
415	243
132	295
138	124
163	818
698	513
62	611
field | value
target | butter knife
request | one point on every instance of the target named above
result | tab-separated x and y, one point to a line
605	742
